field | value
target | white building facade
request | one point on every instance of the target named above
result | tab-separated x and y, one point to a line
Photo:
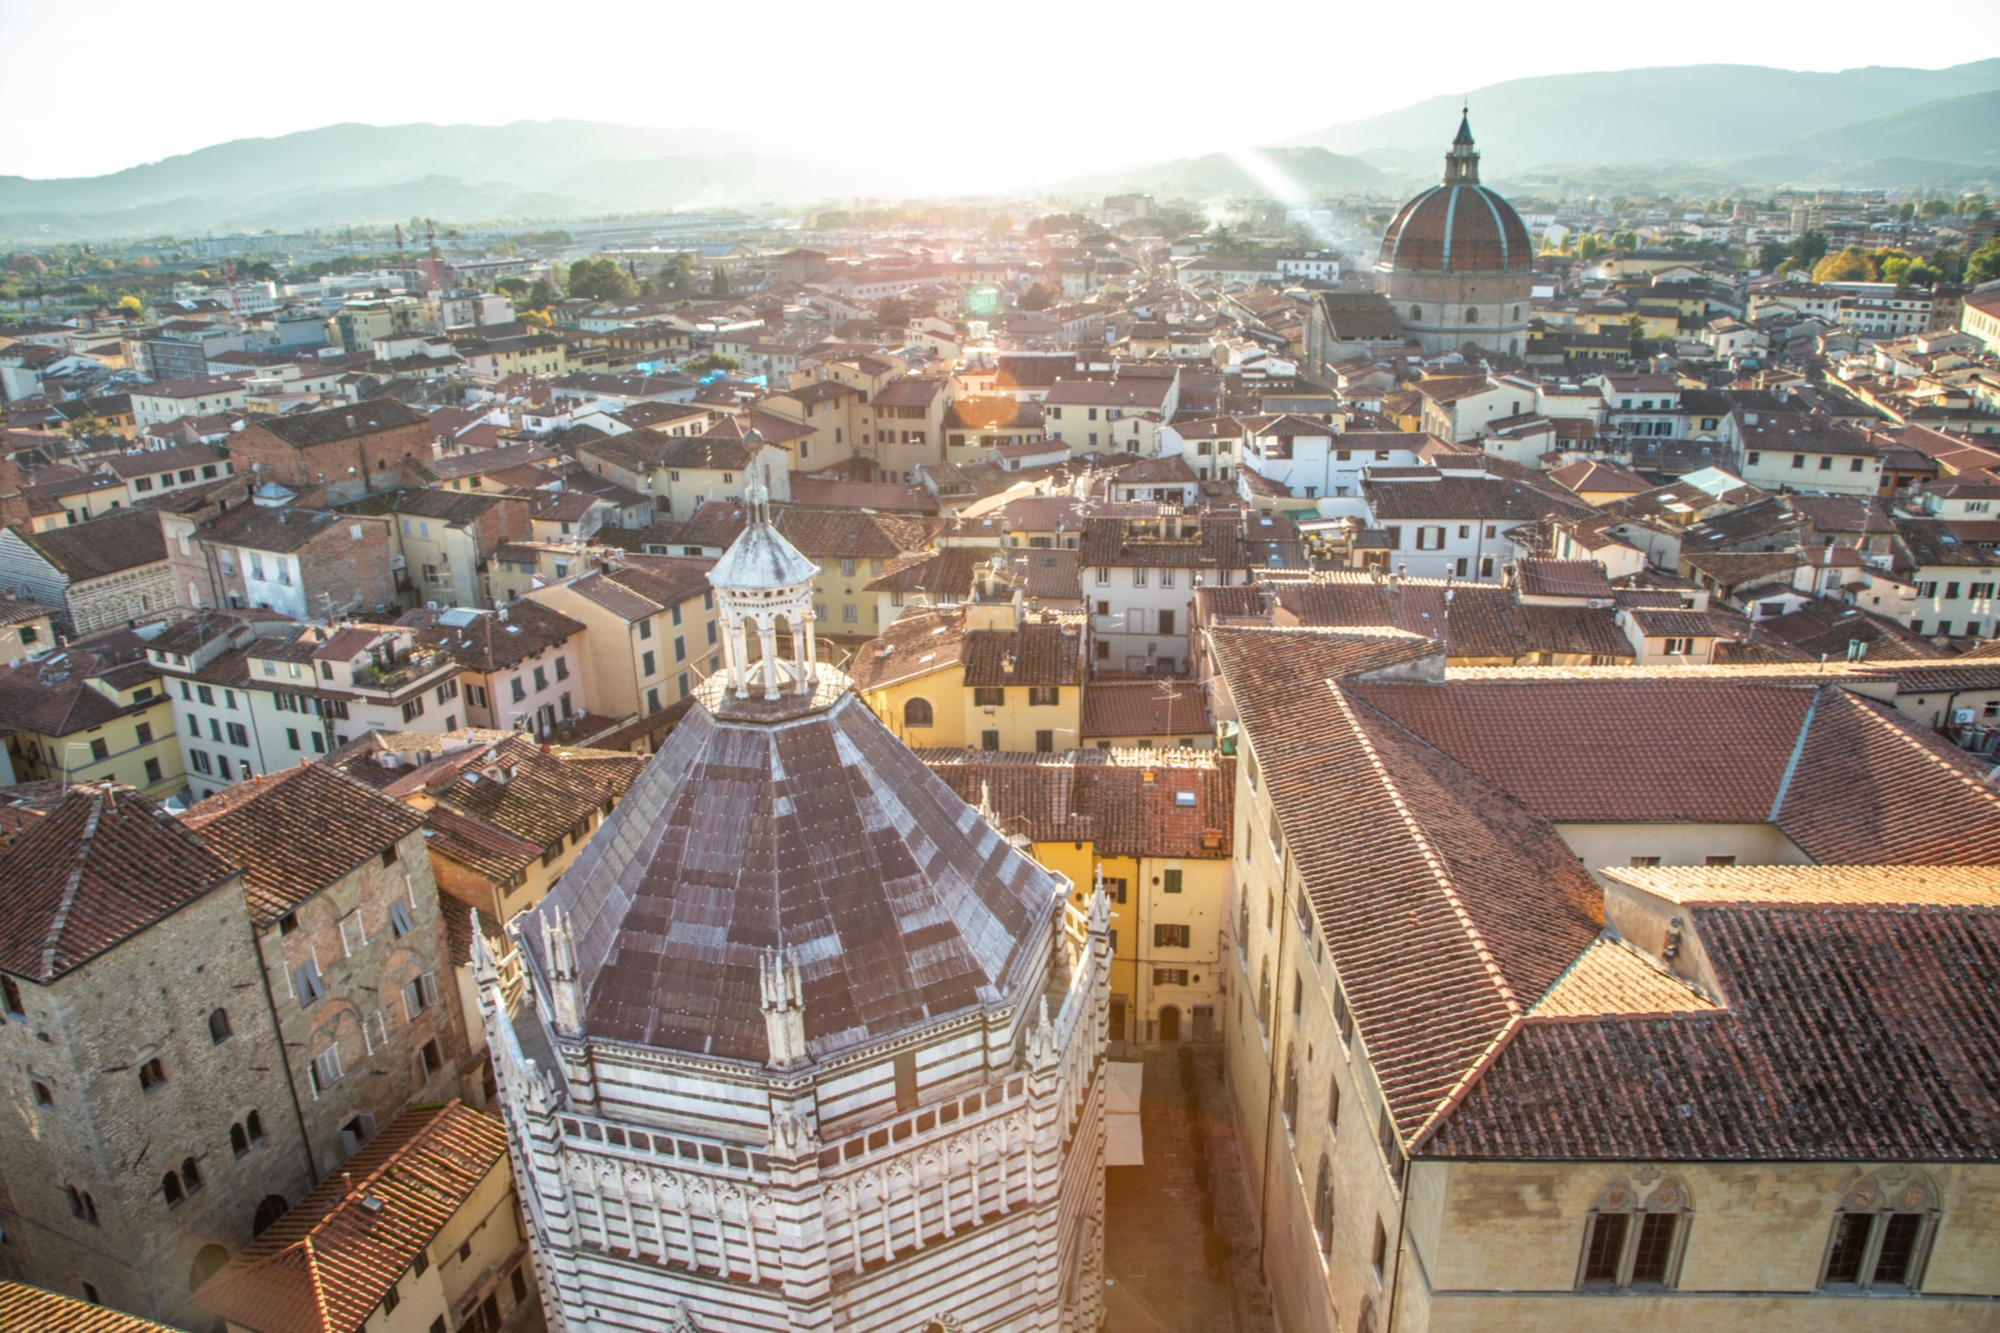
859	1086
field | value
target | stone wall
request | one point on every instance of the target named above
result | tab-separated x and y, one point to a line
104	1136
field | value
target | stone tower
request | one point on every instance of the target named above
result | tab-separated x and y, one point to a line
807	1044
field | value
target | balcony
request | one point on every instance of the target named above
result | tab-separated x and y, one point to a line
394	672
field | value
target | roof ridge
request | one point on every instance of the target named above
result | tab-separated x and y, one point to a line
1431	858
60	919
1900	733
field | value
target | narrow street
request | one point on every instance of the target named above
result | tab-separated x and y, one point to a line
1157	1246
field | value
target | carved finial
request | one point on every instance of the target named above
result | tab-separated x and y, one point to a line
483	970
1100	906
563	983
784	1007
1043	1052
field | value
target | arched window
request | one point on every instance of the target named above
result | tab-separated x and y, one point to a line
1517	312
1291	1098
1333	1101
1366	1324
81	1205
239	1142
1471	315
218	1026
1635	1236
254	1125
269	1210
170	1188
1881	1236
1416	312
1323	1204
1264	996
917	713
190	1175
207	1264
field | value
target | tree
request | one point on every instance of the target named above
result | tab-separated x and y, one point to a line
1936	208
84	427
718	281
515	288
600	280
1039	296
702	365
131	304
1849	265
542	295
1919	274
1984	265
673	278
1001	227
257	270
536	319
1808	250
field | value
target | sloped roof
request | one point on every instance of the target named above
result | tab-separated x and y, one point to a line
1852	1033
1144	708
31	1308
257	825
326	1265
110	544
822	833
305	429
1128	802
97	869
1447	907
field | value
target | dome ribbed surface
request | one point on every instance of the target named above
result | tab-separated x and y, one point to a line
1457	229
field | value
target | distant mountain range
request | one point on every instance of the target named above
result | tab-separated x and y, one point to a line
1284	173
357	173
1705	114
1660	128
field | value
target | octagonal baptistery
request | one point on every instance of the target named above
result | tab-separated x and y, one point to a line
1457	262
805	1041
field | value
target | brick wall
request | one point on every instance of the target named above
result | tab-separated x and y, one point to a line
352	572
374	459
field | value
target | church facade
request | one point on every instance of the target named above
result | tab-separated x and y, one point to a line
807	1043
1457	263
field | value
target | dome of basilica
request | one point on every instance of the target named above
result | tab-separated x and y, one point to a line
1459	226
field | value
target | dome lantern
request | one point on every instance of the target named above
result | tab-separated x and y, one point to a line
760	580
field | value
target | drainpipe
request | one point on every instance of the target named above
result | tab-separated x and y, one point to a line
1396	1271
285	1062
1271	1083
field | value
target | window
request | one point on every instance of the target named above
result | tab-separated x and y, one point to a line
1634	1238
1043	696
647	667
989	740
1343	1017
326	1069
81	1204
99	749
1679	647
353	937
239	1139
418	995
1045	742
10	993
1430	539
151	1074
645	629
1323	1204
1720	861
153	771
1114	888
1378	1256
430	1060
43	1097
391	1299
1172	937
1170	976
170	1189
306	983
1881	1236
1289	1101
1798	460
413	708
989	696
218	1026
144	731
399	919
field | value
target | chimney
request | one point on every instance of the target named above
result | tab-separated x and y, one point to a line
350	421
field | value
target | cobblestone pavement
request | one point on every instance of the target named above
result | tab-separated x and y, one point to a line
1154	1255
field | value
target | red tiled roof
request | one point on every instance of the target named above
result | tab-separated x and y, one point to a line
1113	708
257	825
97	869
32	1310
1852	1033
1447	907
1124	803
326	1265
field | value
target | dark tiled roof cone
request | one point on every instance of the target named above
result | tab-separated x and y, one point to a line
1459	226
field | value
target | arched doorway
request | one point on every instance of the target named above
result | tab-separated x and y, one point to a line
1170	1023
269	1210
206	1265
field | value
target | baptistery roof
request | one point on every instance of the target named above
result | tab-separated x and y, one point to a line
1459	226
799	824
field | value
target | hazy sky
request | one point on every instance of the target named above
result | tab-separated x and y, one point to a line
1020	86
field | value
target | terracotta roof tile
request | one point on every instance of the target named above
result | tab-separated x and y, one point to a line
32	1310
326	1265
256	825
1145	708
95	870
